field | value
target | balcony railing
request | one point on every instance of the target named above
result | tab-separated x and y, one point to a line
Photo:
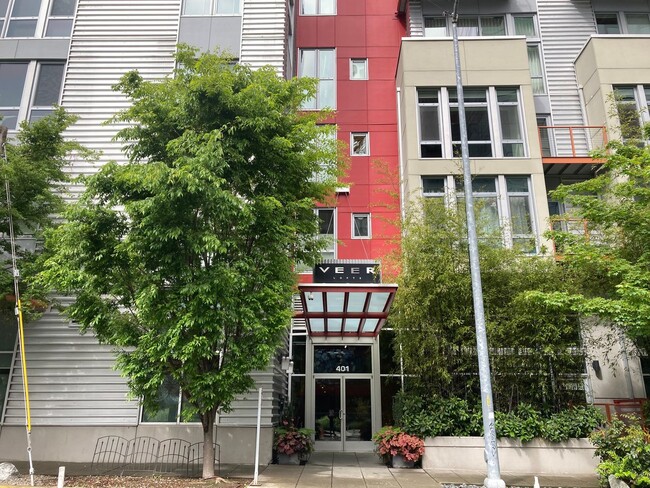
570	143
632	407
575	226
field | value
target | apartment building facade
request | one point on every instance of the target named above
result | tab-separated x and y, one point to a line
537	74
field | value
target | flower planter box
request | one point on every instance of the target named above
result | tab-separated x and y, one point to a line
288	459
398	461
574	457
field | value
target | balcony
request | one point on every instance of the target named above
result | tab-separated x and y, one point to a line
570	145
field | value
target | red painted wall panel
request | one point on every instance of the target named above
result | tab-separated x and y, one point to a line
364	29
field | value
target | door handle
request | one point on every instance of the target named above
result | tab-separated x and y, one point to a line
341	414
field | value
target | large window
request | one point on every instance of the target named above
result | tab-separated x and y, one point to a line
503	206
493	122
623	22
47	90
327	231
317	7
29	90
12	81
211	7
633	107
60	17
36	18
320	64
168	405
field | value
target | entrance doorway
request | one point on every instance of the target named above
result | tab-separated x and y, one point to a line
343	413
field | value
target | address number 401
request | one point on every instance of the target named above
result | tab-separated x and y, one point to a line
343	369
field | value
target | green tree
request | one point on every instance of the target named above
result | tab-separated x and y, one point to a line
612	262
33	167
532	345
183	258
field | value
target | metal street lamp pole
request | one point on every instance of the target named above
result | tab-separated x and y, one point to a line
493	479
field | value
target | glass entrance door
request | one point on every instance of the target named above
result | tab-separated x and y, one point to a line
343	413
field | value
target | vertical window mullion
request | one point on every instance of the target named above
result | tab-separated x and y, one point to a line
495	123
504	211
447	151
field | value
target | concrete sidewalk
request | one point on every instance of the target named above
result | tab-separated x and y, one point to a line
352	470
357	470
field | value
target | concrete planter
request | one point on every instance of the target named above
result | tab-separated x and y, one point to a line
398	461
574	457
288	458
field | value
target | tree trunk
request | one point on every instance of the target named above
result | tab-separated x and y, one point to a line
207	420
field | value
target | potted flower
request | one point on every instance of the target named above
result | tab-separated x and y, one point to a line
292	445
398	448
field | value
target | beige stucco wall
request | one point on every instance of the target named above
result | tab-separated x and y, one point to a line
77	444
430	62
538	457
607	61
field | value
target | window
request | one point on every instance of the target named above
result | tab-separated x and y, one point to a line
23	18
493	115
525	25
633	107
543	122
320	64
358	69
3	13
47	90
481	26
435	27
59	20
607	23
169	404
503	206
327	231
623	22
361	226
317	7
535	66
15	105
12	81
359	144
211	7
637	23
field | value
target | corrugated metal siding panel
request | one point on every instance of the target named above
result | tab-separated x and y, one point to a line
415	19
109	39
244	408
565	27
71	379
264	34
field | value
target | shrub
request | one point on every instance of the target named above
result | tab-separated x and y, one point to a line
289	440
392	441
455	417
624	451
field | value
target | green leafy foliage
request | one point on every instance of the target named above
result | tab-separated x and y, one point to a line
34	169
612	265
392	441
183	258
535	350
624	451
435	416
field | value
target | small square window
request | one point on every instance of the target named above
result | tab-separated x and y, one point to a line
358	69
359	144
361	226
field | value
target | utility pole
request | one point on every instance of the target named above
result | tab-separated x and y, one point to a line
493	479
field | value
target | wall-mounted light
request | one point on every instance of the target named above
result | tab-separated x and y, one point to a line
310	295
597	370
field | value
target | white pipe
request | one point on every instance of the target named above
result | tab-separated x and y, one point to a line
257	440
400	153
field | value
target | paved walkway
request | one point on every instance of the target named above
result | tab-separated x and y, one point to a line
358	470
353	470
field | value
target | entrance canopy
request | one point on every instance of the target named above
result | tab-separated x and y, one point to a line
336	310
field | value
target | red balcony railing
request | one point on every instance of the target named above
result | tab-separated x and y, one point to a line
570	143
633	407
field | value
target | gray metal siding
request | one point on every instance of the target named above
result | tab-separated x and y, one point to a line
415	17
264	34
71	379
109	39
565	27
